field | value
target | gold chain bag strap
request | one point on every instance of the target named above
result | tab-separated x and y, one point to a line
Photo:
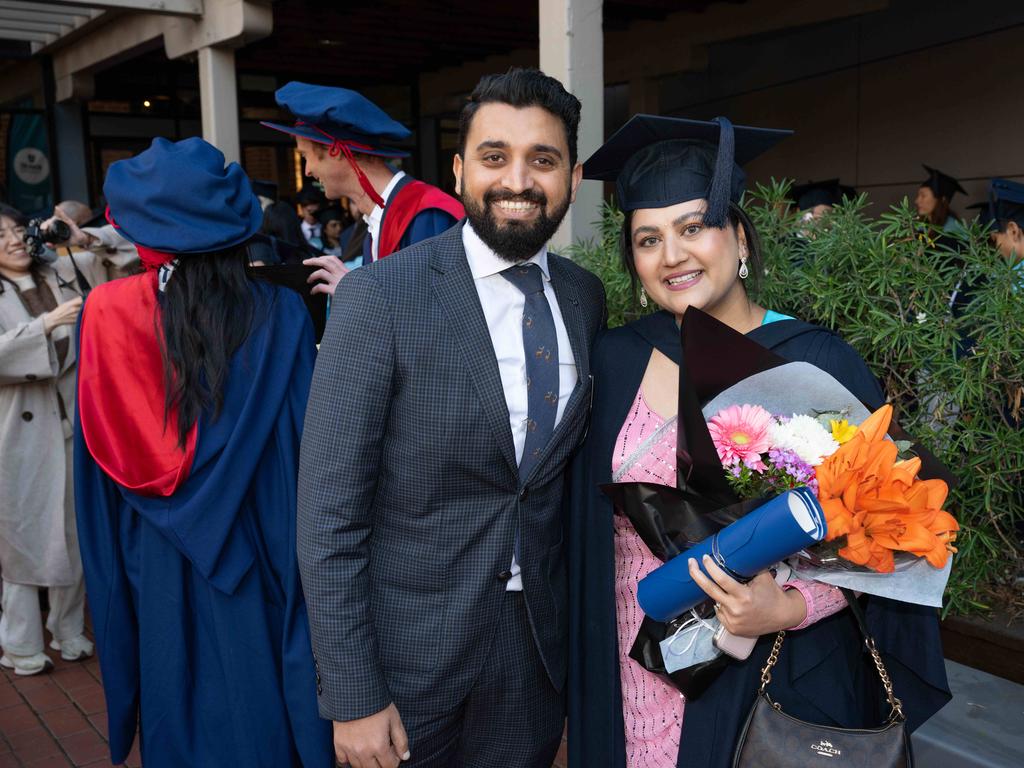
773	739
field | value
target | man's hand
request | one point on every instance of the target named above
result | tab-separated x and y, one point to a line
329	274
64	314
377	740
78	238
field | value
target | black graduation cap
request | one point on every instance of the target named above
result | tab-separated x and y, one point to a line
265	188
331	213
813	193
661	161
1006	200
984	212
940	184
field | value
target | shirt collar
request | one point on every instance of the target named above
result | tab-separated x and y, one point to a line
484	262
373	217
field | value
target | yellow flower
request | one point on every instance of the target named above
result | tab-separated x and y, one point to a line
842	430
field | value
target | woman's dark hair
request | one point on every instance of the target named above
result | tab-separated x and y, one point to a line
941	212
10	212
737	218
281	221
522	87
36	269
208	308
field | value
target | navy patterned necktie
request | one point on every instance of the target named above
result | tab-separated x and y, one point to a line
541	347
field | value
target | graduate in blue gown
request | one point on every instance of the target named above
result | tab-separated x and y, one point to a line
691	171
193	390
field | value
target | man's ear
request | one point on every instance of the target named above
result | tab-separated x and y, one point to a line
457	171
577	177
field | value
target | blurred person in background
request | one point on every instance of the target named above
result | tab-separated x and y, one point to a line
346	141
1006	208
933	200
310	201
283	241
186	461
39	305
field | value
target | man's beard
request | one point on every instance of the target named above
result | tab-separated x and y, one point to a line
514	241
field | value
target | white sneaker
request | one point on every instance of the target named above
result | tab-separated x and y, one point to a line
26	665
75	649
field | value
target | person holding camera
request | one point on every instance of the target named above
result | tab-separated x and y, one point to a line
40	299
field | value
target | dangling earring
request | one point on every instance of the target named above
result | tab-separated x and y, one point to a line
744	272
643	297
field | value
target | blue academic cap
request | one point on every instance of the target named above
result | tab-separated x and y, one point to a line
328	115
180	197
661	161
1006	200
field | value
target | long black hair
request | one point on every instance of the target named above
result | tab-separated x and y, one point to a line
208	307
736	217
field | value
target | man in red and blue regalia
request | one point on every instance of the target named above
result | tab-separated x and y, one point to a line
192	387
346	140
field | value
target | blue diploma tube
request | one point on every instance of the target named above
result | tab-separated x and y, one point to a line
772	532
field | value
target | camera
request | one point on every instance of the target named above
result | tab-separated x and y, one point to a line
36	237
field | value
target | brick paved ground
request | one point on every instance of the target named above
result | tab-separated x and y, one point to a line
59	719
55	720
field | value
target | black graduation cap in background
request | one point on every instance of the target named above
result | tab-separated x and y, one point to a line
941	184
984	212
657	161
813	193
264	188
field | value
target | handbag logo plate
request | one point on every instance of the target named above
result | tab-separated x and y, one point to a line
824	748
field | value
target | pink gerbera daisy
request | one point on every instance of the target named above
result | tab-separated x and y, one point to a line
740	435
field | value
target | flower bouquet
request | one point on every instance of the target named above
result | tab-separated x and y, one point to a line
728	380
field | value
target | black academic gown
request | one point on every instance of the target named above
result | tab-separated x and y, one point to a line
822	674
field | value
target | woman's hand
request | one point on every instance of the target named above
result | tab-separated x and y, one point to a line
756	608
64	314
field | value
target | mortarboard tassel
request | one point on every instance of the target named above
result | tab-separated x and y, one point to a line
721	183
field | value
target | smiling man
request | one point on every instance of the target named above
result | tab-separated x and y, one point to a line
452	385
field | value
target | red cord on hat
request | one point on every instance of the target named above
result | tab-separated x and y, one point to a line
338	147
150	258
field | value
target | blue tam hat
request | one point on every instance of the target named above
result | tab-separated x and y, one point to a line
1006	202
337	115
657	161
179	197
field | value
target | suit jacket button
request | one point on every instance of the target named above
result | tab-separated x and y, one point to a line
26	416
523	494
31	376
504	575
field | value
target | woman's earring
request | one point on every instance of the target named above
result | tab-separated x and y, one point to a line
643	297
744	272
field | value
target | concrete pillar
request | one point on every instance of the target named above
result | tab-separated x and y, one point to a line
218	97
572	49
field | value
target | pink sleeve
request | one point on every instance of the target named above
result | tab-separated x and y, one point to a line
822	600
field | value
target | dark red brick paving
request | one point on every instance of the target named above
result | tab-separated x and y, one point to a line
55	720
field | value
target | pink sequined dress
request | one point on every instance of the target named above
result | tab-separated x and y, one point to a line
652	710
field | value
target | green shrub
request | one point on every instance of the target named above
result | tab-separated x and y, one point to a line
957	382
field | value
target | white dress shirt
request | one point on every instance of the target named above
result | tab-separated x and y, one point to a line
503	305
376	216
309	231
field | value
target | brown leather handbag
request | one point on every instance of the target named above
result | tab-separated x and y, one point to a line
773	739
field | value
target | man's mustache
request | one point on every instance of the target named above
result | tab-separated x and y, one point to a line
527	196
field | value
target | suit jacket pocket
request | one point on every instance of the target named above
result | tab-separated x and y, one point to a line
407	603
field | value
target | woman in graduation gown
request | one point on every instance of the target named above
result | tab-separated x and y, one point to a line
688	243
192	390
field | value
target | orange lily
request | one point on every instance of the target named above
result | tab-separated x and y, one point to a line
879	504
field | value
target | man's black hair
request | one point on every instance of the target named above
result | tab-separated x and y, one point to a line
521	87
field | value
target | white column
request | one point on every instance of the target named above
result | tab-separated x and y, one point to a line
572	49
218	97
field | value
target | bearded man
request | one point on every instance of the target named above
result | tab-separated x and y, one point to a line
452	384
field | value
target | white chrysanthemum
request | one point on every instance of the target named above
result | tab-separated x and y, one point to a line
806	437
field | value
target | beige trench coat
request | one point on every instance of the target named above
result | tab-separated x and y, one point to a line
38	540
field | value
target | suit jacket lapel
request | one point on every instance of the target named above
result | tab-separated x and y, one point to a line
456	294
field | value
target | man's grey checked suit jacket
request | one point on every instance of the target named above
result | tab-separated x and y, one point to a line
409	494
